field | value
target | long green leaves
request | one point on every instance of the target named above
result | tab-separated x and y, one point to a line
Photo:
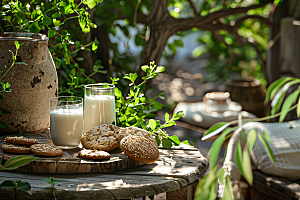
278	90
16	162
216	147
215	129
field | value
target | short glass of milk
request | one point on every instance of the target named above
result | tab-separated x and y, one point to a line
66	121
99	105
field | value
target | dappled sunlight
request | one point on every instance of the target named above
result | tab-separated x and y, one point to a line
107	185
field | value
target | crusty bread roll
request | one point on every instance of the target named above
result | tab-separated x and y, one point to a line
140	149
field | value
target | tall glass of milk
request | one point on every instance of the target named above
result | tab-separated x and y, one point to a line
99	105
66	121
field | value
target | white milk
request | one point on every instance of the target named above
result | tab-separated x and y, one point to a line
66	127
98	109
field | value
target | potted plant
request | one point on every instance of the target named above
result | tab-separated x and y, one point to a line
242	140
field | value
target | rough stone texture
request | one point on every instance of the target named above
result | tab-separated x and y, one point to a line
32	85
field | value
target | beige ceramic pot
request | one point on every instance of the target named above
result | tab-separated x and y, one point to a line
32	86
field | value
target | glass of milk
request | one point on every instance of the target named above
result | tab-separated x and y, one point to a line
99	105
66	121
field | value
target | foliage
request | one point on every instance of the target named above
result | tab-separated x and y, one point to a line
16	185
136	107
15	162
51	181
5	86
278	89
231	54
52	18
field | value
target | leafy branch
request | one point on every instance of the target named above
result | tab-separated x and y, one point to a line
156	128
135	108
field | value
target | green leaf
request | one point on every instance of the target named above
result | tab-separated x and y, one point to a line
298	108
213	191
239	157
221	175
287	104
167	116
175	139
17	44
51	32
21	63
1	97
166	143
267	148
185	142
251	139
177	115
160	69
282	93
55	15
152	124
73	72
90	3
247	166
56	22
215	129
7	184
18	161
266	135
179	43
34	27
145	68
23	186
47	21
118	92
280	83
3	125
227	190
67	58
216	146
272	89
47	181
21	16
94	47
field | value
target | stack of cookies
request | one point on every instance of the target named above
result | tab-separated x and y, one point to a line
136	143
23	145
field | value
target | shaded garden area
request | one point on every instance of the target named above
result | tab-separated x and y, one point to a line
158	55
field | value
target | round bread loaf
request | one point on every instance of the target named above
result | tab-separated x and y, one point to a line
131	130
140	149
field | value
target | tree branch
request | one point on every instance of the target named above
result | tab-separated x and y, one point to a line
181	24
193	7
264	20
230	11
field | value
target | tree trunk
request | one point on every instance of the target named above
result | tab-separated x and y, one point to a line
159	33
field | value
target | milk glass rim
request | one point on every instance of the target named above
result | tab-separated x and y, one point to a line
76	99
94	86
